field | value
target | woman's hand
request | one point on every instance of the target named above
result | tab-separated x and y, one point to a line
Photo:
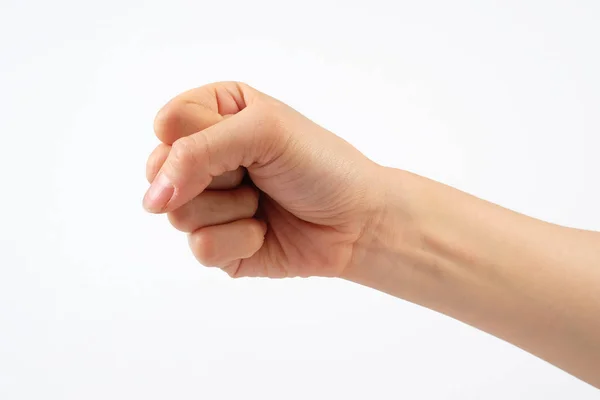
313	205
262	190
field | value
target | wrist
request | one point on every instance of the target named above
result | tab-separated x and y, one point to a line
409	249
391	241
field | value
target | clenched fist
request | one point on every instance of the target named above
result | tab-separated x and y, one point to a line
261	190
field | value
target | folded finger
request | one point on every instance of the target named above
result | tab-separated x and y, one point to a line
156	160
228	180
220	245
249	137
215	207
197	109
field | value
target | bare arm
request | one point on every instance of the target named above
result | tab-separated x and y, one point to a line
317	207
534	284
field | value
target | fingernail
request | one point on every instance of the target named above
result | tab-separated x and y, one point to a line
159	194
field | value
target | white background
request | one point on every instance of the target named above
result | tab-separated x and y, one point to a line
99	300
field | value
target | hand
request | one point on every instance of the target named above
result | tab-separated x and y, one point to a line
262	190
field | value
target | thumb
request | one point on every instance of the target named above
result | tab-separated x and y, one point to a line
250	137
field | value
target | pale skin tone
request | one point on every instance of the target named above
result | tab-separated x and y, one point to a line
264	191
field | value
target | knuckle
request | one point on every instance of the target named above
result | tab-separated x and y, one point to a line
257	237
179	219
183	153
253	199
245	196
229	179
233	270
257	232
244	85
155	161
161	120
245	89
150	168
167	118
203	247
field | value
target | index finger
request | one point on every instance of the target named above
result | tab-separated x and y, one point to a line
197	109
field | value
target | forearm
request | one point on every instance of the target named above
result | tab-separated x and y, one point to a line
534	284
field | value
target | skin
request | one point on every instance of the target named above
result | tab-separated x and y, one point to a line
264	191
